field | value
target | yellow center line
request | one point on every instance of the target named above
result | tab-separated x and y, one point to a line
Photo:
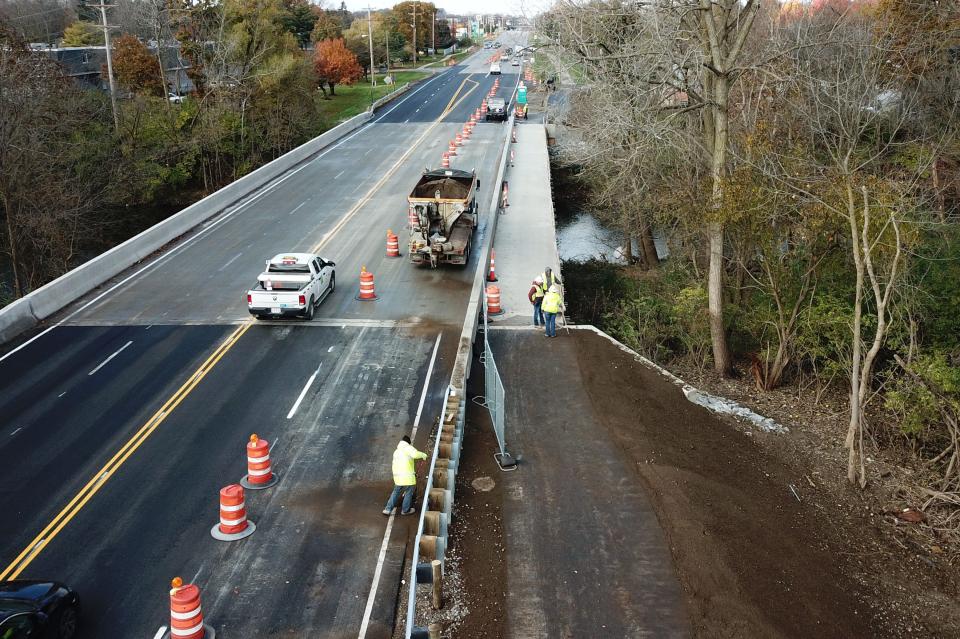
99	478
109	469
393	169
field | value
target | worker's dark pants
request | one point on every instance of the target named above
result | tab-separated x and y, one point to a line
407	492
538	313
551	325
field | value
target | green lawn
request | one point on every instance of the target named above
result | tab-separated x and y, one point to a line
356	98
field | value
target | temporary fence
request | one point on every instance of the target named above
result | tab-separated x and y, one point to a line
494	397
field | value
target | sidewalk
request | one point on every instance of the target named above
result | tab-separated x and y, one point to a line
526	237
586	554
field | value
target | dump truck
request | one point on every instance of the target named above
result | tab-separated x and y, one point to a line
442	216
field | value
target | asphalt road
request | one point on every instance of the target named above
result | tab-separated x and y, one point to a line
122	422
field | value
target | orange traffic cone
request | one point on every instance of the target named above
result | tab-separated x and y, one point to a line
393	245
493	300
492	275
445	161
367	292
233	524
259	473
186	615
452	148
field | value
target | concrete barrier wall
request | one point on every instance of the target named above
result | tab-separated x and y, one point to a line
53	296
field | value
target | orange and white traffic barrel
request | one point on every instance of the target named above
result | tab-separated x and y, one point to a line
233	515
367	292
466	132
260	474
452	149
445	161
186	615
458	139
393	245
493	300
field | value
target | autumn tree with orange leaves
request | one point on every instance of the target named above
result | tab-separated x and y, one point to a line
135	67
335	64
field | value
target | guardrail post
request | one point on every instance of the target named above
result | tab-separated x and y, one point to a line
437	568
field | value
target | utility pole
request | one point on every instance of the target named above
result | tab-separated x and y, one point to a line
373	75
113	85
433	32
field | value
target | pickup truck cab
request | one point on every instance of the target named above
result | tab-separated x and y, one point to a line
293	285
495	68
496	109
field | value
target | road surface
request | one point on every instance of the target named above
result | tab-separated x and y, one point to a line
122	422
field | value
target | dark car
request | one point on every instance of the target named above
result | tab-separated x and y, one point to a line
496	110
38	610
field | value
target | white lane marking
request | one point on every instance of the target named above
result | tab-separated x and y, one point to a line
303	393
230	261
422	87
407	121
338	174
330	350
386	535
160	632
417	111
224	216
273	446
61	394
19	428
426	385
104	362
298	207
148	328
367	151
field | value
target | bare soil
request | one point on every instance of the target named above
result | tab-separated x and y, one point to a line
767	537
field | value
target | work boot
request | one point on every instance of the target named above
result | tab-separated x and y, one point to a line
409	512
388	511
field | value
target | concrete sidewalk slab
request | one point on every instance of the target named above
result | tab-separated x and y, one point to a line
526	237
586	554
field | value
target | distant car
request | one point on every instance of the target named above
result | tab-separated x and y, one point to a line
509	50
38	610
495	68
487	45
496	45
515	63
293	284
177	99
496	109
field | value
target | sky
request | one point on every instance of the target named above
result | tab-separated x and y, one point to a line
457	7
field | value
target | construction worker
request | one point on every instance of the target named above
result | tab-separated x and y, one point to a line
552	304
535	295
549	278
404	477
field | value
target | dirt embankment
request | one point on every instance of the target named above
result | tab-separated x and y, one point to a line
767	539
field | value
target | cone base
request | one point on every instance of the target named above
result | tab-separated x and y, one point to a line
216	534
500	312
366	299
246	483
208	632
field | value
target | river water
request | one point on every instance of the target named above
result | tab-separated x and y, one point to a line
581	237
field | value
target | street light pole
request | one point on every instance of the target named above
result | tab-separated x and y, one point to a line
414	35
433	32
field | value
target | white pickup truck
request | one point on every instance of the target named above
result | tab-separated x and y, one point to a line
293	284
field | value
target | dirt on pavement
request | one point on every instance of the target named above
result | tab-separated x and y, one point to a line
767	540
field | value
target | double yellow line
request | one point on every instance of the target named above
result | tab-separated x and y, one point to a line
99	478
451	105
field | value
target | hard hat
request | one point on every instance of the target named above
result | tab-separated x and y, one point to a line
554	288
538	280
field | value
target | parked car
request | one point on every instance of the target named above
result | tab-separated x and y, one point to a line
293	284
496	45
38	610
175	97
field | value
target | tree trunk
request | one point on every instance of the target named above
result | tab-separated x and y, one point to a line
853	428
649	247
332	92
718	333
628	248
12	244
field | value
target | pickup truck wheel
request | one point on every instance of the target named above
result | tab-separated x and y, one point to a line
333	282
309	312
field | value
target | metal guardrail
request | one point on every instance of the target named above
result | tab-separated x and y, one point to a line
449	435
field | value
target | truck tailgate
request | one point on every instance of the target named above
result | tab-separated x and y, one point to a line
275	299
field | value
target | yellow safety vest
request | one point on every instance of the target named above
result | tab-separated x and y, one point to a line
540	290
404	473
551	303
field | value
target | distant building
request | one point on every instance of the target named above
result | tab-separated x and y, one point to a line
86	65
